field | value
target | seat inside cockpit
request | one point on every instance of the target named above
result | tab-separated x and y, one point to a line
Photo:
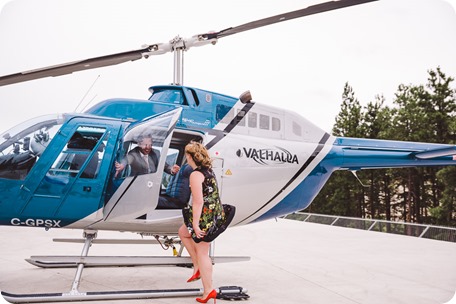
176	155
21	146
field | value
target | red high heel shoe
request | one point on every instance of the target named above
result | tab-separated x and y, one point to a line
211	295
194	277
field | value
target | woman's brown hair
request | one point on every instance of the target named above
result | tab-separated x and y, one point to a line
199	154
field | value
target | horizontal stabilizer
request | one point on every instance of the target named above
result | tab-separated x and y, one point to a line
437	153
363	153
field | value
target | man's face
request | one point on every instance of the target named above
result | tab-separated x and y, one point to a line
145	146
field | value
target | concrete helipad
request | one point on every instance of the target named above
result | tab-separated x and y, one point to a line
291	262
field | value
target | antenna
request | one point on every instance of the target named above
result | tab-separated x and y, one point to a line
89	102
85	95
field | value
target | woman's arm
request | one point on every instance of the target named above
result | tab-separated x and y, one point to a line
196	187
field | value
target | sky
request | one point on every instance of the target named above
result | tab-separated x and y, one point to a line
300	65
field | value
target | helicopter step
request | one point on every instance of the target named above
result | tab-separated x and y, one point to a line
121	261
110	241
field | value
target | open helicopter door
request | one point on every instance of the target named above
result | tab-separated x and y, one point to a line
138	192
217	167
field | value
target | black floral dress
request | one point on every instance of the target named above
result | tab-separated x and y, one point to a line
212	213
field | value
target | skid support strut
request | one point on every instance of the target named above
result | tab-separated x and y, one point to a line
75	295
89	237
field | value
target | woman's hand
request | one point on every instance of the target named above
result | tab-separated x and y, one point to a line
198	232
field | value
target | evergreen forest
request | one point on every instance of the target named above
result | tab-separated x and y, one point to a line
427	195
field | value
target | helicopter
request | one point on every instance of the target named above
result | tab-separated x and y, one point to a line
269	162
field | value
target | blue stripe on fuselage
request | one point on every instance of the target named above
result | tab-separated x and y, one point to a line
301	196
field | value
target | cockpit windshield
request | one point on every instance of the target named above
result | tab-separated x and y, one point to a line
175	96
22	145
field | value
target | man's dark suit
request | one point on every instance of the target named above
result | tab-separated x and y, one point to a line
138	164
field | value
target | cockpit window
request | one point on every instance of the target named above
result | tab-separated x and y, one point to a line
77	157
22	146
169	96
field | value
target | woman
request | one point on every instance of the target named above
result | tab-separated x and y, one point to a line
205	204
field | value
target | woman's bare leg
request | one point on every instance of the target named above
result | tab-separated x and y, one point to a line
189	244
205	266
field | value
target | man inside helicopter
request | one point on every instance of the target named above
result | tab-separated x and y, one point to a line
143	159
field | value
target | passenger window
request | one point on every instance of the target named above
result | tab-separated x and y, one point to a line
77	154
297	129
252	119
264	122
241	116
275	124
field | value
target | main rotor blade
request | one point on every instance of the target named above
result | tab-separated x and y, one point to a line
310	10
68	68
157	49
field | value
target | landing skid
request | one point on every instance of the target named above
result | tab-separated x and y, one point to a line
224	292
120	261
85	261
100	295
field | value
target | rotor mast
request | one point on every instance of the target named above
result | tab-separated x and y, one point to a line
179	45
179	48
178	78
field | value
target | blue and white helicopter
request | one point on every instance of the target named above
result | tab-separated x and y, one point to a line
58	171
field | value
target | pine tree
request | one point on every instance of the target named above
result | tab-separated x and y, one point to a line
425	114
342	195
349	118
422	113
441	109
376	122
